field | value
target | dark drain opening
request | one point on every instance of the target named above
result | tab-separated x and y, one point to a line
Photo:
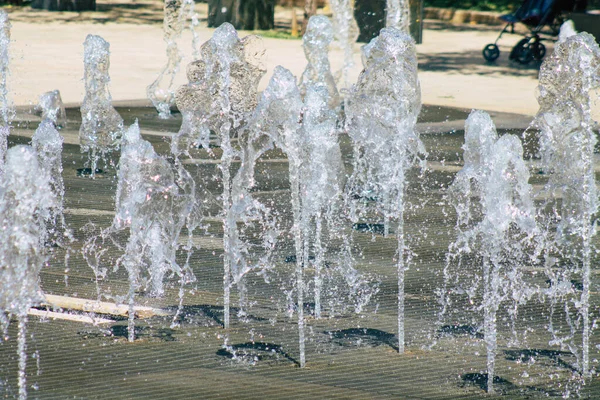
210	146
376	229
88	171
293	259
255	352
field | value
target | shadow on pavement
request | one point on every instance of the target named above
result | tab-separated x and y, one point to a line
472	62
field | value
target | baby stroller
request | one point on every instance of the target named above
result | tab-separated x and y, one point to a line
543	18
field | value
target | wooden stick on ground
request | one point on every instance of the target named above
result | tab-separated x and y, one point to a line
69	317
101	307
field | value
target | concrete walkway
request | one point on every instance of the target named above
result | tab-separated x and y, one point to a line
49	55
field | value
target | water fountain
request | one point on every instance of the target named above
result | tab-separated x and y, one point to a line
567	141
386	143
231	68
161	92
151	205
101	125
47	144
26	202
321	181
500	240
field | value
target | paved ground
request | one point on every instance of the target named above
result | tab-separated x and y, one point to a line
349	356
47	54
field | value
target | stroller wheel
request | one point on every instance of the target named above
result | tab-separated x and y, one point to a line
491	52
522	52
538	50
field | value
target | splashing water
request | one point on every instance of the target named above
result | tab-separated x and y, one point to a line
382	113
7	111
25	203
51	107
101	125
315	174
47	143
567	29
321	178
346	32
567	143
245	70
150	205
398	15
193	101
161	92
246	211
316	40
4	133
321	181
284	131
230	70
222	89
502	240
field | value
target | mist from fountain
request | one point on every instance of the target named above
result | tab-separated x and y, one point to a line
567	141
500	232
381	117
26	202
4	133
161	92
101	125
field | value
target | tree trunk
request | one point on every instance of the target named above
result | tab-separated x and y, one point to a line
370	17
242	14
310	9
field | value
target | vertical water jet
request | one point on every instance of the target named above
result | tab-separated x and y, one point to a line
397	15
101	125
161	92
25	204
346	32
220	98
499	232
316	40
284	131
380	119
151	206
6	109
48	144
567	142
